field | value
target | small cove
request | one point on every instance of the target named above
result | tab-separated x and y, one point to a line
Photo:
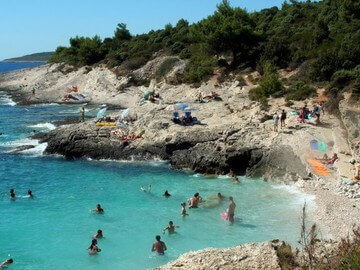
54	230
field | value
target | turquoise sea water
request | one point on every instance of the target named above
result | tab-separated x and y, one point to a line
53	230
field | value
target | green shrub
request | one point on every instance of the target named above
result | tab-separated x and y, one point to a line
289	103
165	67
200	67
270	85
185	54
256	93
134	63
300	91
82	51
344	77
252	79
241	80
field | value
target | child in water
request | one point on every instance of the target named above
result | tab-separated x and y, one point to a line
183	209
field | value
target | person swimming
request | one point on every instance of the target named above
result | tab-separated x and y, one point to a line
93	248
234	177
98	235
142	189
98	209
220	196
159	246
183	209
170	228
30	195
194	201
12	194
149	188
6	263
166	194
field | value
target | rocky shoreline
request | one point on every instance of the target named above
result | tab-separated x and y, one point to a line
234	135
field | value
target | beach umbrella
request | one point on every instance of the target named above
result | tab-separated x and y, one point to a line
101	113
314	144
124	113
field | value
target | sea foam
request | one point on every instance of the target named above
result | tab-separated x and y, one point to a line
43	126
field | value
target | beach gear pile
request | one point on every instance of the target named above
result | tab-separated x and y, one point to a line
186	120
74	95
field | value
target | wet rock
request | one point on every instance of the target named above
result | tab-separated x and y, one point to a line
21	148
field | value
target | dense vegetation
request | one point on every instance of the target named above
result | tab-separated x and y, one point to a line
44	56
322	38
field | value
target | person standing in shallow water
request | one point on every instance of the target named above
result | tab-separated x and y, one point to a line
231	210
194	201
82	111
159	246
183	209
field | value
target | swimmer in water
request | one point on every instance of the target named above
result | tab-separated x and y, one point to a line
183	209
166	194
159	246
170	228
142	189
98	235
98	209
234	177
93	248
194	201
6	263
30	195
220	196
12	194
149	188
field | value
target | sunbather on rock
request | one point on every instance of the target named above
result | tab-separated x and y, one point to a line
329	161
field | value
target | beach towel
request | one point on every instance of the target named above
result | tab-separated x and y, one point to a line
318	167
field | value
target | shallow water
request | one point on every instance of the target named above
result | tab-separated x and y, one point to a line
53	230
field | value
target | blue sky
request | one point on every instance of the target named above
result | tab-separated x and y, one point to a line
29	26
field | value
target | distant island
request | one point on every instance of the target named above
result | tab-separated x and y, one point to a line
41	57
